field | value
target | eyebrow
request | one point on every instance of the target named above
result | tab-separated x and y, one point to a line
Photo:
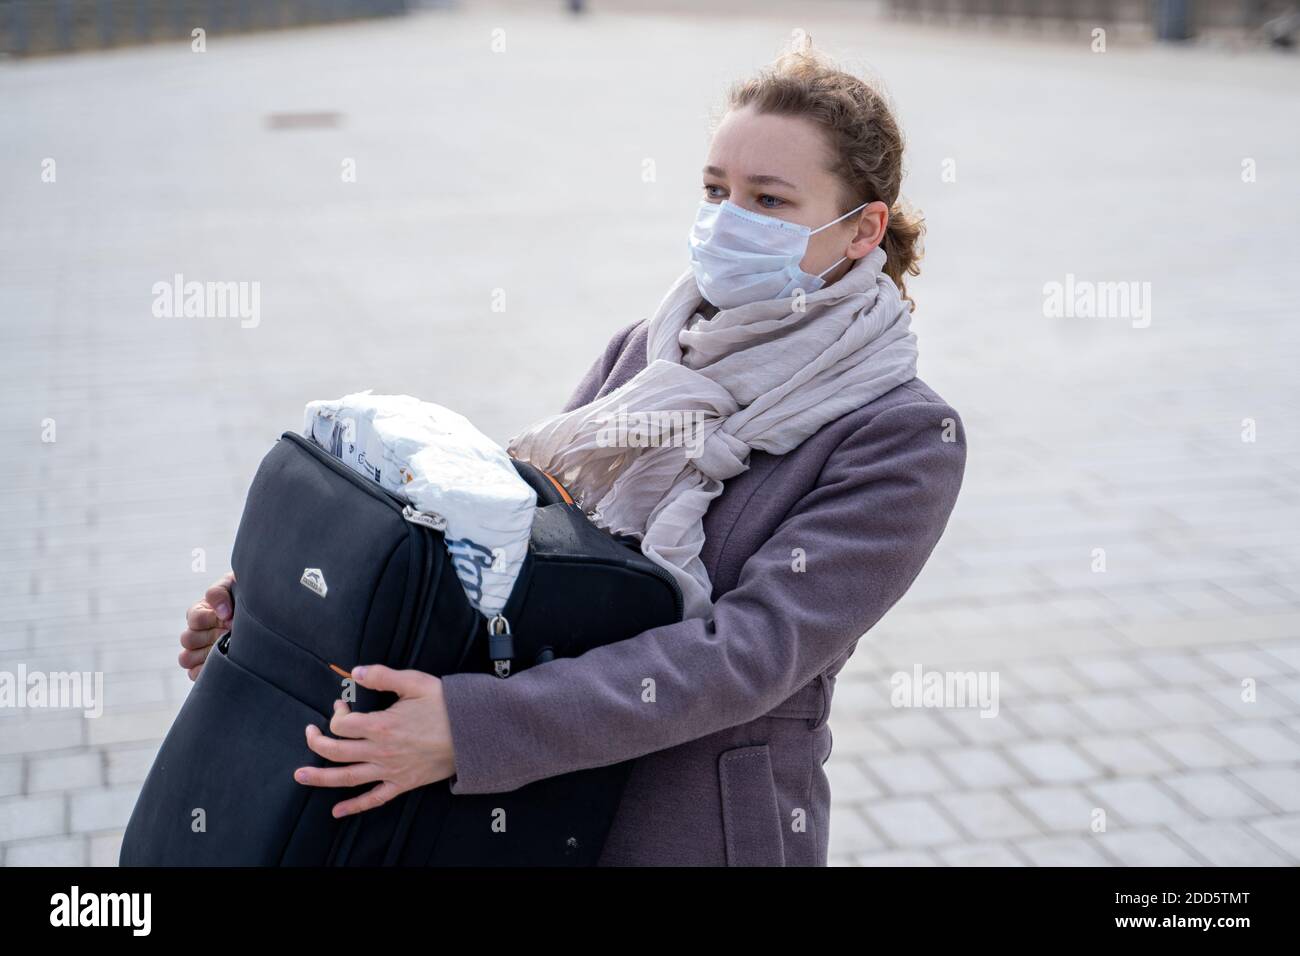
758	179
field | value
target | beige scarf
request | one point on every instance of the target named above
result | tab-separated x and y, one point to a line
648	458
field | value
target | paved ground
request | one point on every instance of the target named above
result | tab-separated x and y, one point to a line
523	170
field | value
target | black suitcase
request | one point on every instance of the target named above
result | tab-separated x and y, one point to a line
332	571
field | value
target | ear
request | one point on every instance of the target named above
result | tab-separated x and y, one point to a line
872	223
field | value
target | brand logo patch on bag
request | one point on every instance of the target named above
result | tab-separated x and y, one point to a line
314	581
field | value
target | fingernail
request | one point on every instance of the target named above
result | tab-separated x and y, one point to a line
223	611
300	776
359	672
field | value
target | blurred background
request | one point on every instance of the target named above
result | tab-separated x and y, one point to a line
463	201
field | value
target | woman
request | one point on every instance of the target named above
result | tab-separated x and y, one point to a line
823	478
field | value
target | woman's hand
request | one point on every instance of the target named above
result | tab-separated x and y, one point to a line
401	748
204	623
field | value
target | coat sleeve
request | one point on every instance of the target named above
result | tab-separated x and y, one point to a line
865	530
600	369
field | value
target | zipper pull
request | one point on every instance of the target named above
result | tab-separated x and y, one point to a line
501	646
429	519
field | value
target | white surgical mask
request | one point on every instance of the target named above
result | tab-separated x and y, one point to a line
740	256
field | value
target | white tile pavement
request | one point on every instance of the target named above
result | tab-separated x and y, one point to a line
1163	690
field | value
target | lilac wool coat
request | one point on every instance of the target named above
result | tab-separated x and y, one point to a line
806	551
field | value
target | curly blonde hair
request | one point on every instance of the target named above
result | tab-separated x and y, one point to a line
864	138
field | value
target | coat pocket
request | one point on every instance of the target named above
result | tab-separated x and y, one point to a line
751	814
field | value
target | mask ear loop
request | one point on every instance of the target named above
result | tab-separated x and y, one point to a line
831	223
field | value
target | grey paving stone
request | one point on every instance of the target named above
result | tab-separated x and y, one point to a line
1228	844
1146	848
1214	794
1264	742
105	848
48	732
907	773
978	768
130	764
1262	703
103	809
1103	676
1045	678
1059	809
848	782
917	728
849	832
988	815
1196	749
855	739
1115	712
972	729
1131	803
910	822
1111	673
1279	785
130	726
53	851
66	771
11	776
1176	668
896	858
979	854
1241	662
1286	652
1180	707
1123	755
24	818
1282	832
1063	851
1052	762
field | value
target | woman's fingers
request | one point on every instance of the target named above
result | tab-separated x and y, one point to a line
201	617
204	623
218	597
339	751
193	657
194	639
403	682
350	776
346	723
374	797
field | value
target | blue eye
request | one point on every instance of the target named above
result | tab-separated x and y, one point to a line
708	186
775	199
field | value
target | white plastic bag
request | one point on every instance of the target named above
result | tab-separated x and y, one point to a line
442	465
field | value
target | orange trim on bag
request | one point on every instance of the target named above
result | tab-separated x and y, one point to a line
338	670
558	487
551	478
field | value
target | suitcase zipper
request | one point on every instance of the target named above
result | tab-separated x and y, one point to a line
430	522
390	498
426	519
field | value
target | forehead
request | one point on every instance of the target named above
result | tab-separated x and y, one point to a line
751	143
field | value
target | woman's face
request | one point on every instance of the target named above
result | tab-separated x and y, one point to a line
778	166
